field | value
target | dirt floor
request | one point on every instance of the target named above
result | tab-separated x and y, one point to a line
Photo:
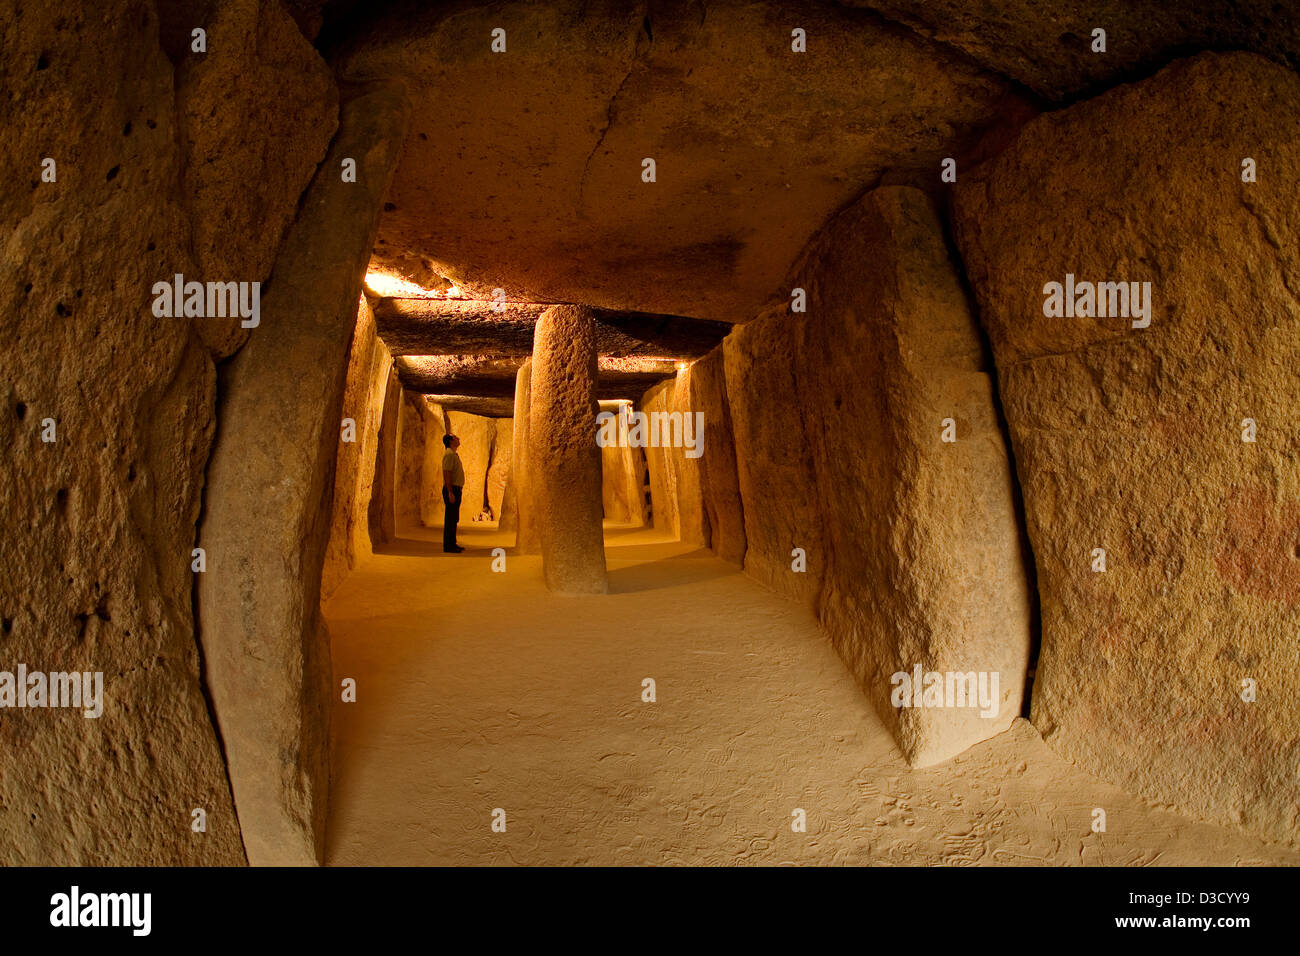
479	690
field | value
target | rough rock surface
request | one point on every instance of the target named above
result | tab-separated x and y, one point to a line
774	464
99	524
1130	439
742	179
923	558
719	484
271	473
369	365
476	435
564	465
528	537
257	113
499	469
1048	46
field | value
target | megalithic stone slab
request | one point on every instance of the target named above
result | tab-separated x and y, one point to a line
234	101
269	495
674	474
410	461
565	460
528	537
924	569
1174	672
381	514
784	526
614	488
499	467
580	225
663	479
97	526
363	402
719	483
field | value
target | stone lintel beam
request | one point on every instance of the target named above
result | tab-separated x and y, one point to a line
476	405
459	375
471	327
611	386
494	377
455	327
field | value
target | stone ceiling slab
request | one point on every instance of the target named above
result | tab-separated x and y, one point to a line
493	377
477	327
1048	46
523	170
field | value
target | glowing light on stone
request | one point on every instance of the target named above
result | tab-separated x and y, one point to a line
391	286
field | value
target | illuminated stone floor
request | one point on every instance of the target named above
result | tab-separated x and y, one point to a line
480	690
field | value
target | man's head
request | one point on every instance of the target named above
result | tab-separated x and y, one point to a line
450	441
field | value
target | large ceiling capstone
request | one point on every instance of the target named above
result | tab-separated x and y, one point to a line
526	170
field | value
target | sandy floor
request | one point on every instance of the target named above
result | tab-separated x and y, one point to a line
479	690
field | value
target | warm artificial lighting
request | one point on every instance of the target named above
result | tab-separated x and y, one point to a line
390	286
682	366
660	366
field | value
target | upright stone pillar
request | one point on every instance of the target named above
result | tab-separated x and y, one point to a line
564	466
528	538
269	495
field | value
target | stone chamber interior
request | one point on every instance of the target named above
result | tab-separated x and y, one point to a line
968	531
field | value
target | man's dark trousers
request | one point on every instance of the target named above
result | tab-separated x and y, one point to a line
450	515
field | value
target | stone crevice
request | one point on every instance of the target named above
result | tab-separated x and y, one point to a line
205	685
1287	270
1007	447
611	110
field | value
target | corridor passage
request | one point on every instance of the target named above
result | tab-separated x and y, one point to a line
479	691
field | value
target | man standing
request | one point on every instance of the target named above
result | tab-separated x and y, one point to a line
453	480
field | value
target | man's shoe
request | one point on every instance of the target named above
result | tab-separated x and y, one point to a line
454	549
